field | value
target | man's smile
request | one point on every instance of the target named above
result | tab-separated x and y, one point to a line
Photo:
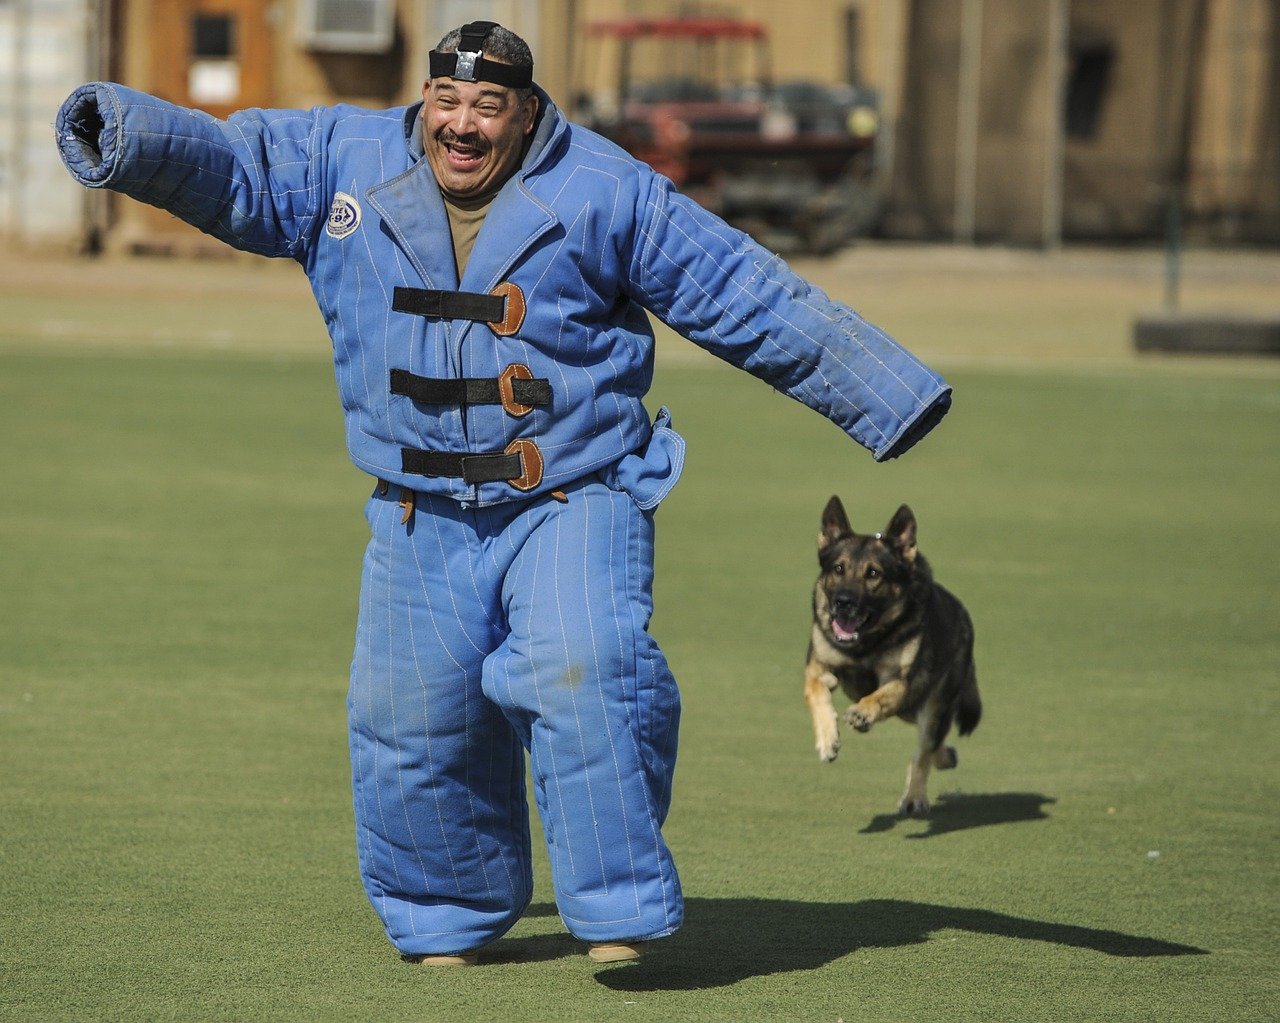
464	153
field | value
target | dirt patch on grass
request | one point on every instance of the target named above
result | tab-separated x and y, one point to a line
951	304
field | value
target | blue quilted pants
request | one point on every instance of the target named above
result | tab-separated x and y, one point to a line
484	633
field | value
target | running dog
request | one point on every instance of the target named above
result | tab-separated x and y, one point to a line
896	642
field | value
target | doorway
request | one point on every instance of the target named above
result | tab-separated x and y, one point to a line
212	54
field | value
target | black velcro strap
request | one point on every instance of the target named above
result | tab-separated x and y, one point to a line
491	468
511	76
469	64
452	305
467	390
473	34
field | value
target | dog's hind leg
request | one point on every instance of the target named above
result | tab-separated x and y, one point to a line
931	729
915	800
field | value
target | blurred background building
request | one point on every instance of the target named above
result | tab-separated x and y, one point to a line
1024	122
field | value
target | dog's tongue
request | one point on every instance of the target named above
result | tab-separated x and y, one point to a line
844	630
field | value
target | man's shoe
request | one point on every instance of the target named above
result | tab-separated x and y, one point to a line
615	951
460	959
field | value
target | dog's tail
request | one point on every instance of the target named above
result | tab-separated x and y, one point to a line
969	712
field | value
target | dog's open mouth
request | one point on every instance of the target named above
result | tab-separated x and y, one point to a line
847	628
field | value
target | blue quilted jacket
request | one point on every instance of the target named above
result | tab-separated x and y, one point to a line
590	237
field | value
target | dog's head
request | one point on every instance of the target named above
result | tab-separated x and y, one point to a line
863	588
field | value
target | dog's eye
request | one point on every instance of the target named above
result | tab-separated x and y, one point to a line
872	572
839	569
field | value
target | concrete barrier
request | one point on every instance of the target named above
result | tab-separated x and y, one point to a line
1208	334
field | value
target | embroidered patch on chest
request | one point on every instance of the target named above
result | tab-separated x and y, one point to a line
344	216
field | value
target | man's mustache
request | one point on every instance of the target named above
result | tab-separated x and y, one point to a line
472	140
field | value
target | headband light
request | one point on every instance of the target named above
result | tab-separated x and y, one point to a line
470	65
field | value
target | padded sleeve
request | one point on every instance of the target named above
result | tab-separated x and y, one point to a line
717	287
250	181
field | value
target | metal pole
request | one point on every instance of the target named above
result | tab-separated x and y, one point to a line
18	162
1180	174
571	55
1244	61
99	23
1055	147
1172	252
967	120
892	39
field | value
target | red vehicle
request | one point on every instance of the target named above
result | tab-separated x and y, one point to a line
790	163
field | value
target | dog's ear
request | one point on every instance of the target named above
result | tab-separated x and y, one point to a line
835	524
901	534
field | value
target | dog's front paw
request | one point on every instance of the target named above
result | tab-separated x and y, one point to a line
913	806
857	717
829	749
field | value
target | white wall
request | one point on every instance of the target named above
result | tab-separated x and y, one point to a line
44	54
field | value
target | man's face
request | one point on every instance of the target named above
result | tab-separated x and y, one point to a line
473	134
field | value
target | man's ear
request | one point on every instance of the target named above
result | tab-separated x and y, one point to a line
530	113
426	88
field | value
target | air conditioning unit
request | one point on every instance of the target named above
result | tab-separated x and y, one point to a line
347	26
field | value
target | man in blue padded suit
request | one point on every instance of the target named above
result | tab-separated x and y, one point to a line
484	267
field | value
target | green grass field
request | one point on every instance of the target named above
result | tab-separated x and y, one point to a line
179	549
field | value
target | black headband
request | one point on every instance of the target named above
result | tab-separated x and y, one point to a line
470	65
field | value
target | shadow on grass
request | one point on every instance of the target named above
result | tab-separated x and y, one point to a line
955	811
728	940
535	948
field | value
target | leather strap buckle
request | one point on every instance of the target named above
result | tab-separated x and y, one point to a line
513	311
506	389
531	462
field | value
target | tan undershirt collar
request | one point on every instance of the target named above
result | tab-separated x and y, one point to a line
466	215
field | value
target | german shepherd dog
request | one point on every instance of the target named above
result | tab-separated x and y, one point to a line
895	641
